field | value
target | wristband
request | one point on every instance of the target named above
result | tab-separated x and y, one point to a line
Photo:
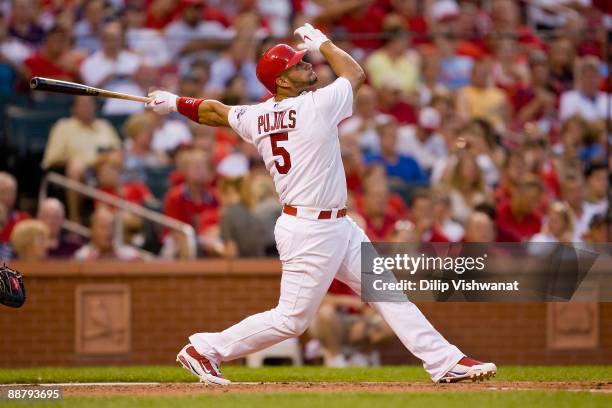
189	107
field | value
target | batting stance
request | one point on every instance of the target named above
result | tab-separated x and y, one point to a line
296	133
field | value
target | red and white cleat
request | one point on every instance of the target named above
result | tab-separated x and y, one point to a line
205	369
468	368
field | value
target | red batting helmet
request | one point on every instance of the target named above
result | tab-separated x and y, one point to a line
274	61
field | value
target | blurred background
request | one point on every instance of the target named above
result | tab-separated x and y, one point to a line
481	121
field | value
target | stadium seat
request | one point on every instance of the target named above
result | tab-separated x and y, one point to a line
289	349
27	130
53	103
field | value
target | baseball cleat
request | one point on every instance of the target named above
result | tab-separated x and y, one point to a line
468	368
201	366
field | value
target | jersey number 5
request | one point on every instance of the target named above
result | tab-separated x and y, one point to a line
280	151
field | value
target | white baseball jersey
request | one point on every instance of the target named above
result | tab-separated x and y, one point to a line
298	140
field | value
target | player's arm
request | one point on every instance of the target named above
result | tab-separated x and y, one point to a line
340	61
343	65
204	111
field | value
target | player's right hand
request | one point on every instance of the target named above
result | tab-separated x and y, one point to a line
162	102
312	37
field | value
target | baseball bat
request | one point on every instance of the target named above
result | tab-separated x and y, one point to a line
73	88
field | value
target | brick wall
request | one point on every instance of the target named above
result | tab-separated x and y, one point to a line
169	301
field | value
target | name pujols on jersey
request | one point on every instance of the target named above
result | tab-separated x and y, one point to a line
273	121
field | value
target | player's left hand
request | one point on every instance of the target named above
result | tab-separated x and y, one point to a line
312	37
162	102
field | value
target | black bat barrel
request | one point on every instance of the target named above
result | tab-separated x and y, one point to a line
54	85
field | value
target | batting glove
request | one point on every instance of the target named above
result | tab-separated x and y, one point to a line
162	102
312	37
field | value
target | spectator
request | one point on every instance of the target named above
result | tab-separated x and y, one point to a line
391	102
8	197
374	207
510	71
235	92
515	171
597	189
537	100
411	12
23	23
266	209
192	83
481	139
421	214
103	245
363	18
79	138
114	68
87	30
13	53
344	324
443	217
506	21
138	151
108	168
170	132
54	59
558	226
572	192
423	142
394	62
481	100
74	144
573	132
538	161
402	170
467	187
239	60
325	75
455	66
561	61
479	228
552	14
600	230
361	127
517	219
148	43
160	13
29	240
61	244
430	80
585	99
192	34
237	217
190	200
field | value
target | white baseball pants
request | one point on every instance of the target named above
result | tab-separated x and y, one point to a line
313	253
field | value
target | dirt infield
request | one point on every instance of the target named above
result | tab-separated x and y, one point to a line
175	389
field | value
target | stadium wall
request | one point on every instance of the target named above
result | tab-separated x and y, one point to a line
126	313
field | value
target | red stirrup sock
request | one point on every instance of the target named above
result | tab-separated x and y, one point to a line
189	107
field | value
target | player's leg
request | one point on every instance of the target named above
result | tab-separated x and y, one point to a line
406	320
309	254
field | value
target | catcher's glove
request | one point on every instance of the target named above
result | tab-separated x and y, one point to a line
12	291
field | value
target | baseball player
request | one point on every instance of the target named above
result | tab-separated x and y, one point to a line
296	133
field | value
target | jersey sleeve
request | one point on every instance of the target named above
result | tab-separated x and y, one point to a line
335	101
238	120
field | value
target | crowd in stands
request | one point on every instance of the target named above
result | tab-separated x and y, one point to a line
481	121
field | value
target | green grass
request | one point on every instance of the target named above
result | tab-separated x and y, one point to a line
531	399
289	374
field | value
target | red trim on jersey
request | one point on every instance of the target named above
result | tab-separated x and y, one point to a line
189	107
